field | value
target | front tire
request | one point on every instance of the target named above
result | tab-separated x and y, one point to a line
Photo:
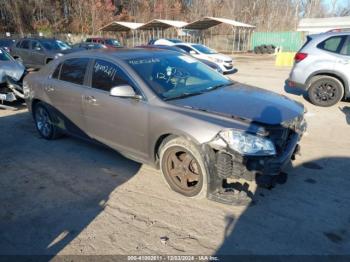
183	168
44	122
325	91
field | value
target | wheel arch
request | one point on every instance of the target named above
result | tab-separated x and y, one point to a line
168	136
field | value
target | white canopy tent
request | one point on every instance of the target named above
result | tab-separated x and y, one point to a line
241	32
157	28
120	26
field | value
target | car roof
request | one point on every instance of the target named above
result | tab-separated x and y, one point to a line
38	39
328	34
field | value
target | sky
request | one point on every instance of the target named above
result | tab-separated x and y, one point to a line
340	3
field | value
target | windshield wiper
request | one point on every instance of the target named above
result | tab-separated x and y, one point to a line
217	86
183	95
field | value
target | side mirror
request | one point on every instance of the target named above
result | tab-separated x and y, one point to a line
192	52
124	91
38	48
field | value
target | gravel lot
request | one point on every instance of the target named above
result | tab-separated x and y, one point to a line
71	197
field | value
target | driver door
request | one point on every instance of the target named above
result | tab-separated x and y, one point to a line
37	54
121	123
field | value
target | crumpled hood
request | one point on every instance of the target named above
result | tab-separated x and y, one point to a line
245	102
11	68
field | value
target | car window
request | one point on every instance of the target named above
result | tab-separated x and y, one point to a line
56	73
332	44
176	75
19	44
4	56
106	75
205	50
25	44
185	48
346	47
73	70
36	44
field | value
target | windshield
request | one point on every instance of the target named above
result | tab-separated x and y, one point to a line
176	75
205	50
55	45
4	56
113	42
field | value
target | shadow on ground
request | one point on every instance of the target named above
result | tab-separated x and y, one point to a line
308	215
46	194
346	111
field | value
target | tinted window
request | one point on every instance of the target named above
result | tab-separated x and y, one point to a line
54	45
106	75
73	70
347	47
332	44
35	44
25	44
56	73
185	48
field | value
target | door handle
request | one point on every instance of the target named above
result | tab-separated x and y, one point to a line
49	88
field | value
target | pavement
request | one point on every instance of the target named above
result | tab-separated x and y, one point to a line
70	197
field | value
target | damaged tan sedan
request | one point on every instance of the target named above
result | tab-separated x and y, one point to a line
171	111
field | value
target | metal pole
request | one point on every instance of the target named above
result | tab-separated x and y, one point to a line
239	39
234	39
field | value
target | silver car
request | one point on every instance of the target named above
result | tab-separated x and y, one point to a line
322	67
169	110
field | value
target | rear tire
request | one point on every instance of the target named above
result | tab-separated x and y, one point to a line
325	91
183	168
45	122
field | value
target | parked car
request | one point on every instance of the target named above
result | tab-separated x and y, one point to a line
37	52
165	41
205	53
7	43
168	110
88	46
11	76
174	48
322	67
108	42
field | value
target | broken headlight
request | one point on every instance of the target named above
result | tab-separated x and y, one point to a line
247	144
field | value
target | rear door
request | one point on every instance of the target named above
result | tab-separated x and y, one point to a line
66	89
24	52
343	60
121	123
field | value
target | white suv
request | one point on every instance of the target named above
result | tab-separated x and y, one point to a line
322	67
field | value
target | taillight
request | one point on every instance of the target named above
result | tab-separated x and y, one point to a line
299	57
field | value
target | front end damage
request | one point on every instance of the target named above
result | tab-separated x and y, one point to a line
229	164
11	77
10	91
